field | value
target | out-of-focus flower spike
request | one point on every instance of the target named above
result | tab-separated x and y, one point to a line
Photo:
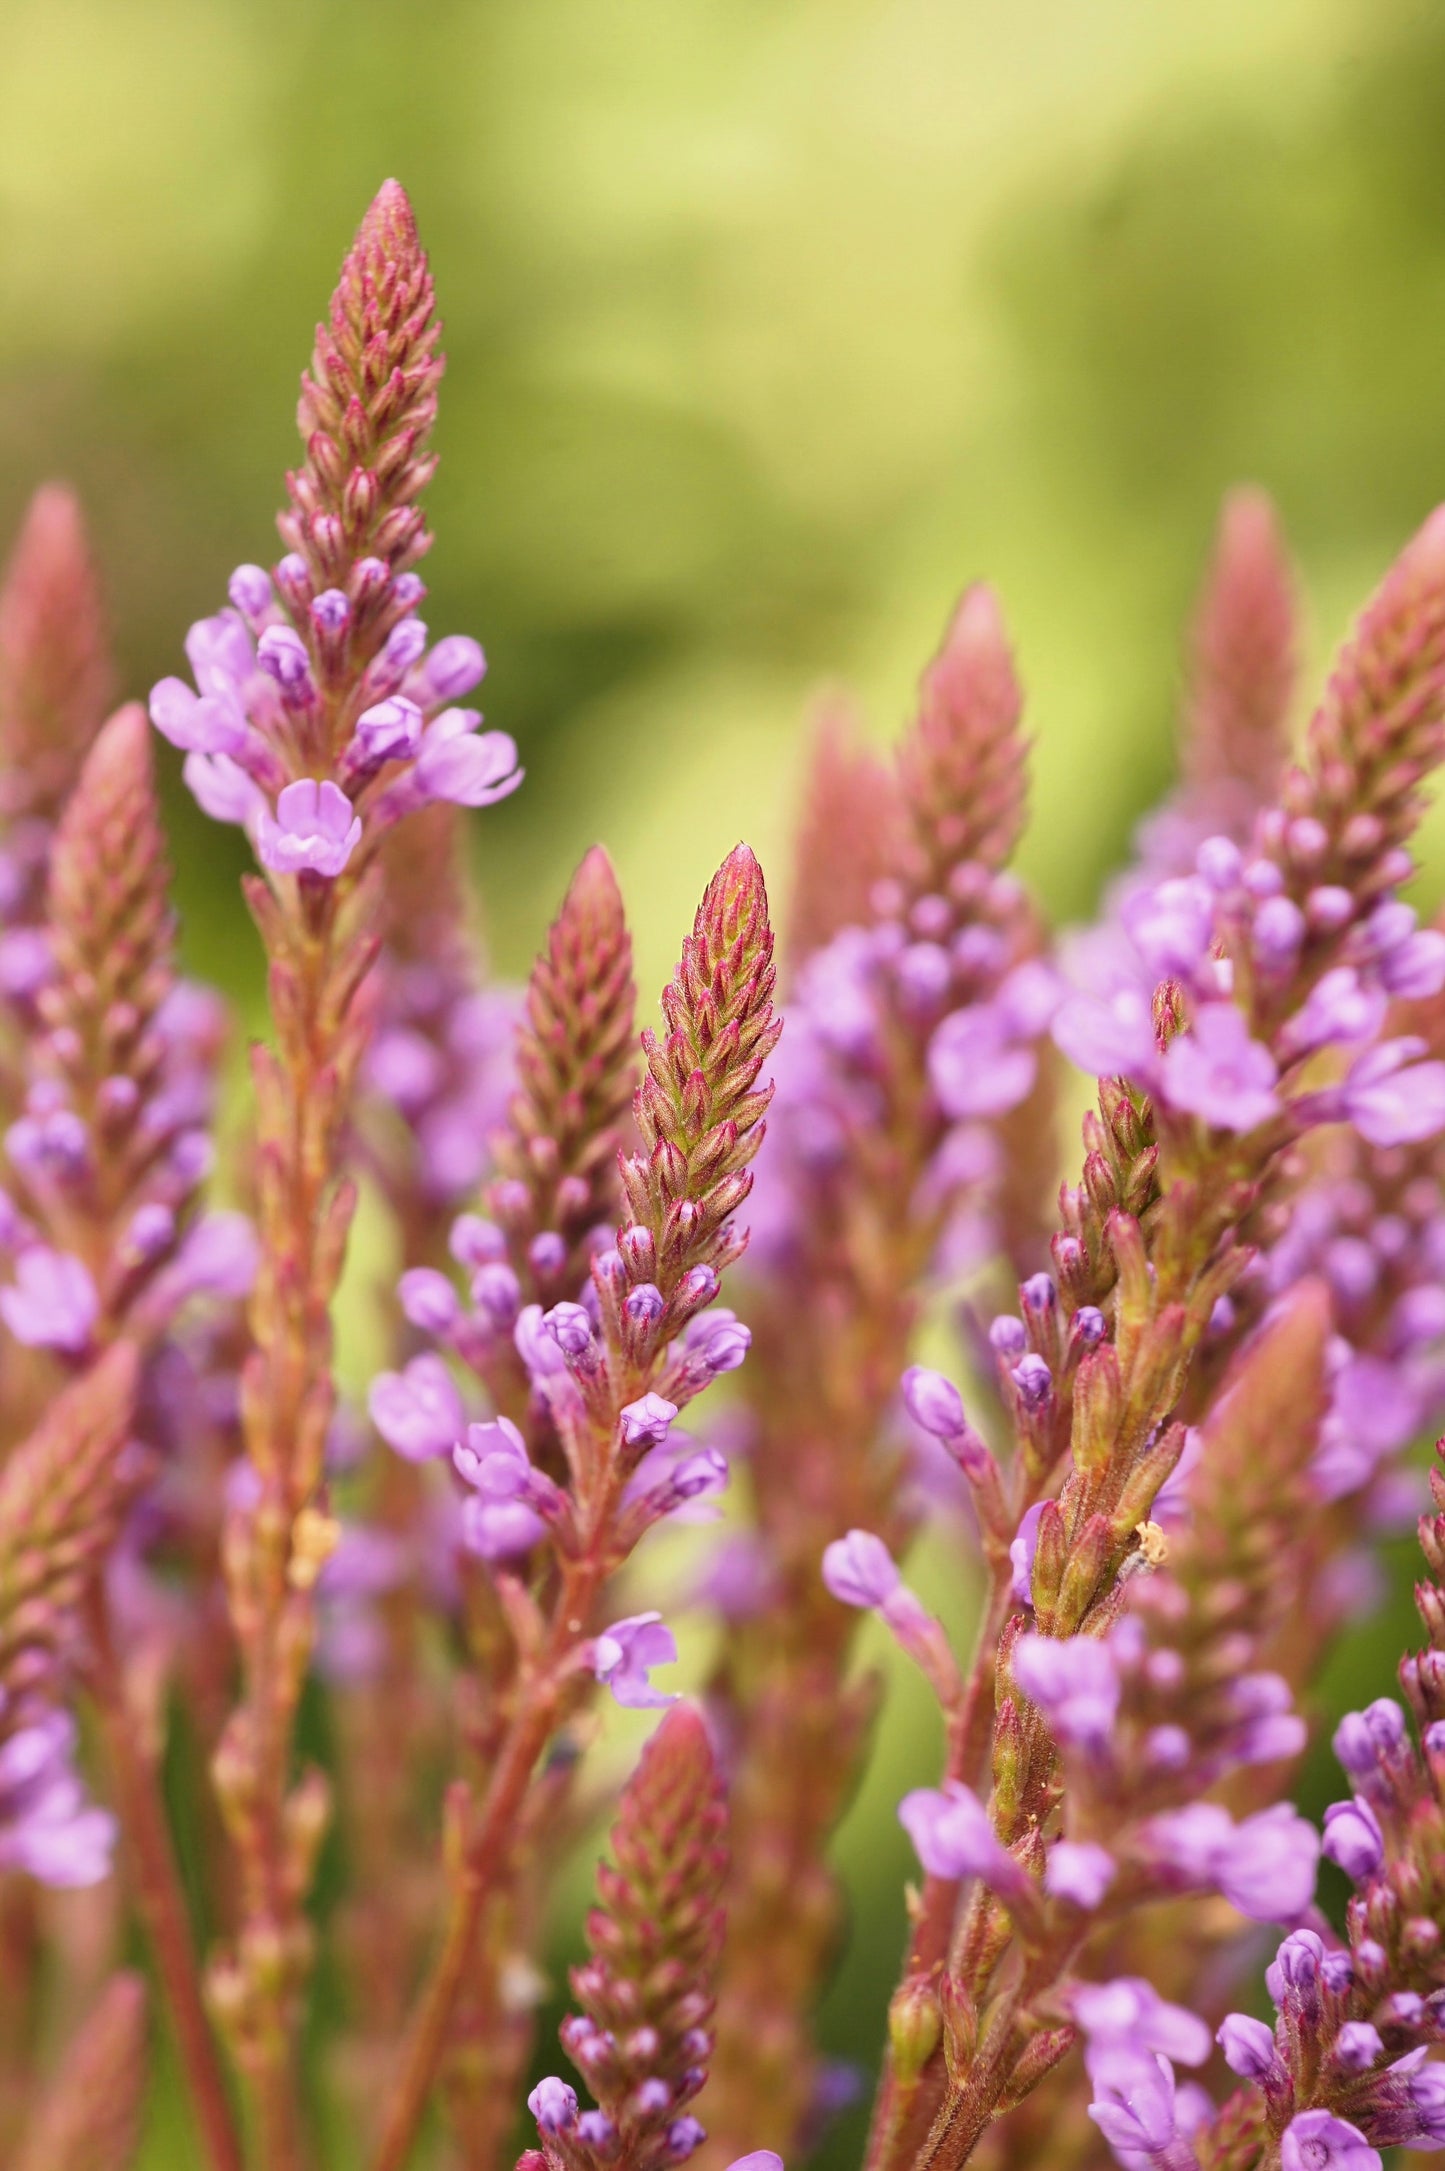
113	1144
90	2115
368	403
436	1076
641	2038
1234	1594
910	1034
847	834
111	925
57	674
62	1494
1248	1489
1244	659
699	1107
962	770
556	1159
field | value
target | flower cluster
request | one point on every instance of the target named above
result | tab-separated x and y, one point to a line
1162	1478
320	709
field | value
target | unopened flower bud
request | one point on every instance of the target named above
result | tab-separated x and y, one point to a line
915	2029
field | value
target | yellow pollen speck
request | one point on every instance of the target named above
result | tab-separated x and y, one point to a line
314	1538
1153	1543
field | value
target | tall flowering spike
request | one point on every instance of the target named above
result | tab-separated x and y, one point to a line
57	675
557	1158
1241	1580
1195	1660
62	1494
962	770
91	2113
109	1153
1345	2071
847	834
368	403
605	1380
1381	725
1244	659
912	1033
699	1107
319	718
641	2040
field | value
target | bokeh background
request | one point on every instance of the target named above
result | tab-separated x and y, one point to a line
770	323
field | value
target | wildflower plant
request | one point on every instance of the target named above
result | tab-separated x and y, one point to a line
401	1629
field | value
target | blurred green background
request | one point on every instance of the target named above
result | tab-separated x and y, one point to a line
770	323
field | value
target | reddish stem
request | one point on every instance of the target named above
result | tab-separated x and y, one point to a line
159	1897
489	1849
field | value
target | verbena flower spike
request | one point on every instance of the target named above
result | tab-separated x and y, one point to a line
911	1036
607	1377
318	718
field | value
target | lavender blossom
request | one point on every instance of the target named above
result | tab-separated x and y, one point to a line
314	830
418	1411
623	1655
47	1827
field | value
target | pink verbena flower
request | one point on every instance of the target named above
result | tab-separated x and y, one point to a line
313	829
53	1303
418	1410
622	1655
1317	2141
1218	1073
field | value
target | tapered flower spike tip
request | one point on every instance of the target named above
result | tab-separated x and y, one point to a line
57	676
675	1803
720	998
1381	725
367	405
576	1067
733	913
699	1107
846	833
594	900
1244	653
962	767
653	1942
109	875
